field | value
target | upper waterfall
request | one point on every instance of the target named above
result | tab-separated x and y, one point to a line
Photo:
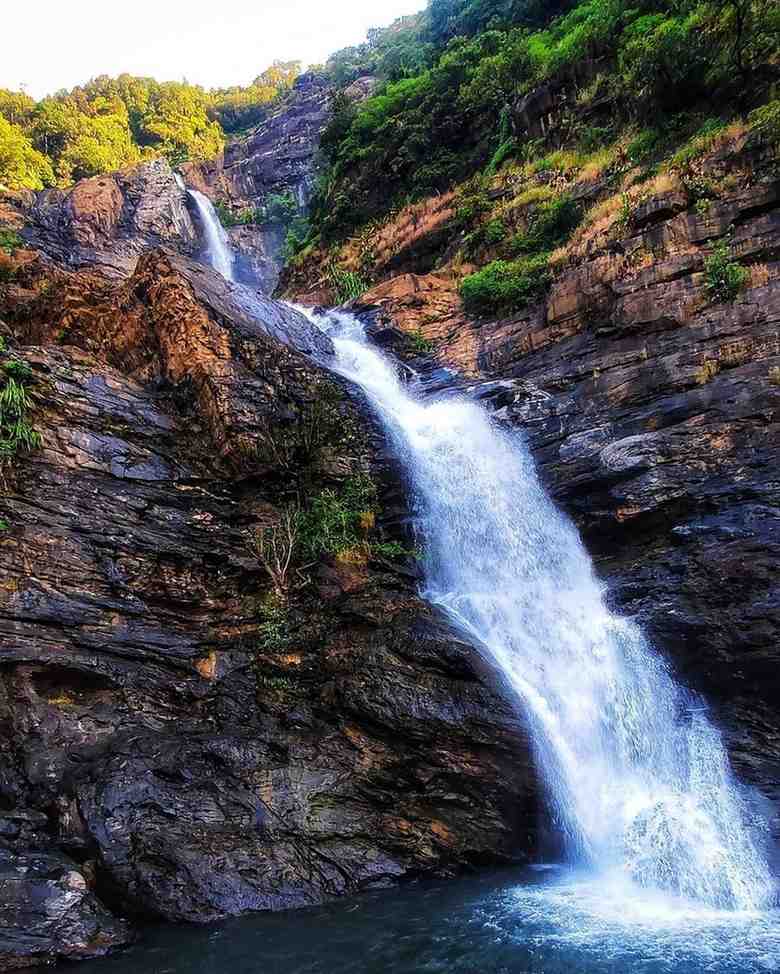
218	249
637	774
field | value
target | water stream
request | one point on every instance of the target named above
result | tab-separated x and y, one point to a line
218	250
665	868
637	774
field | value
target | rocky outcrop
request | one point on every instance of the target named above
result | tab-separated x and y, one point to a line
108	221
652	409
278	158
195	746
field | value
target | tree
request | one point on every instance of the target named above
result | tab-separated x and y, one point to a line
21	165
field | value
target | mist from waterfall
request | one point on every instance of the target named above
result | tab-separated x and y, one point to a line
218	250
636	773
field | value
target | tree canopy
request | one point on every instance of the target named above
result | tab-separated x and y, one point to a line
110	123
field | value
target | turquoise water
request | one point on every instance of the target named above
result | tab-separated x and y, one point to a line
534	921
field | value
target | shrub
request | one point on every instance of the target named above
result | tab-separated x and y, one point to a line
10	241
338	520
419	343
725	278
274	544
506	285
550	225
699	144
280	208
16	434
764	122
347	284
274	629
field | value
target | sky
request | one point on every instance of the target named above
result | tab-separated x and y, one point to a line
215	43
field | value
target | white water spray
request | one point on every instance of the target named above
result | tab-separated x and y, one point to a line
638	776
218	251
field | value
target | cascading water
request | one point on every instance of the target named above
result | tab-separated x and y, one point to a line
637	774
218	249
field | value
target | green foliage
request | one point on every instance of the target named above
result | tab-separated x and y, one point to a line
336	521
423	131
347	284
764	123
701	142
419	343
9	242
280	208
16	434
238	109
245	218
645	145
725	278
392	550
274	629
505	286
550	225
111	123
21	165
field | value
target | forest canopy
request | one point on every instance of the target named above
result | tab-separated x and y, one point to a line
453	77
110	123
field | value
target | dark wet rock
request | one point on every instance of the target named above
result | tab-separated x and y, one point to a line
108	221
48	913
278	158
153	723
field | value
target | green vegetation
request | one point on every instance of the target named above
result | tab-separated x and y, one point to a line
110	123
505	286
9	242
274	629
550	225
337	521
17	436
347	284
419	343
725	278
443	111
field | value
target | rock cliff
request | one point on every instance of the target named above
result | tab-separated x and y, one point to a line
108	221
279	158
176	741
651	406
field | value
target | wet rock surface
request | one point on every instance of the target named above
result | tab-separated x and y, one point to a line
278	158
49	913
195	752
108	221
651	408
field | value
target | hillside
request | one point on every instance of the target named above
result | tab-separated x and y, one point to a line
229	683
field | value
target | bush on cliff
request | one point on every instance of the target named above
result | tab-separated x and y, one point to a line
505	286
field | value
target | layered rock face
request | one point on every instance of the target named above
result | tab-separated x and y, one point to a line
176	741
278	158
651	407
109	220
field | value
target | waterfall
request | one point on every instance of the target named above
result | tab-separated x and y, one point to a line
636	773
218	249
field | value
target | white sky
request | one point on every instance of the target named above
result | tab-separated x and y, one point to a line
53	44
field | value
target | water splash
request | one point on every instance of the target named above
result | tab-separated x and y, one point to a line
218	250
637	773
